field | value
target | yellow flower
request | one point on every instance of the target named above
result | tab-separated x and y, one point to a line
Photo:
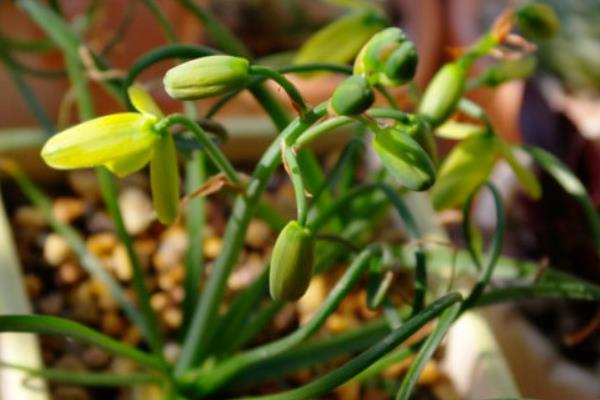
122	142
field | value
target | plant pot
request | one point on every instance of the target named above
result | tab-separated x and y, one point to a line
16	348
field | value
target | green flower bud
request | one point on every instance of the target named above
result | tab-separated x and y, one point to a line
443	94
164	179
100	141
537	20
404	159
466	167
388	58
206	77
420	131
401	66
351	97
507	70
371	59
291	262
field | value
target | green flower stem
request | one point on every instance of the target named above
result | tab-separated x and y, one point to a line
201	327
321	129
162	20
411	227
366	190
431	344
358	364
496	246
222	373
295	174
392	358
341	176
69	44
257	322
236	318
62	34
89	262
282	81
195	221
315	352
572	185
87	378
218	32
27	93
212	150
571	289
27	45
46	325
110	195
316	67
475	111
34	72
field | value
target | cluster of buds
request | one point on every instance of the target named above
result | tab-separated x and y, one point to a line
387	59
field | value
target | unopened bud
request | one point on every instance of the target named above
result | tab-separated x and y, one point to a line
206	77
351	97
404	159
291	262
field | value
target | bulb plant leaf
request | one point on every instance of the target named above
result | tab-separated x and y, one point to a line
404	159
466	167
327	44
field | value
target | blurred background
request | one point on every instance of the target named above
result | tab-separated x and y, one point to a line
557	109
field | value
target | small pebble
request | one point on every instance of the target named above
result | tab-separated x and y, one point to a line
96	358
137	210
68	209
121	264
69	273
132	336
172	317
302	376
159	301
123	366
56	250
29	217
101	244
51	304
33	286
171	352
64	392
111	323
348	391
100	221
430	374
338	323
83	306
145	248
177	294
104	299
375	394
70	363
171	248
246	273
312	299
285	318
258	235
212	247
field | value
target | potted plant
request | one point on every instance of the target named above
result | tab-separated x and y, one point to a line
336	216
